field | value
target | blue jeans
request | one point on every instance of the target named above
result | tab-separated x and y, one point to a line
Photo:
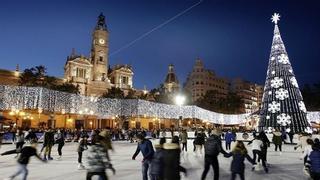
22	168
145	167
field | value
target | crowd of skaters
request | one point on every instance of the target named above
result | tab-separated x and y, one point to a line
161	161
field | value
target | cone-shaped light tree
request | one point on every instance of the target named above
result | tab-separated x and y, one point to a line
282	102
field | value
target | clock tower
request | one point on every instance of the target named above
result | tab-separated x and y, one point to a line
100	50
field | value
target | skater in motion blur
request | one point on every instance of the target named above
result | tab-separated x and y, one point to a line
97	160
23	160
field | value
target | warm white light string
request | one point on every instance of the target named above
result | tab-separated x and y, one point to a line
33	98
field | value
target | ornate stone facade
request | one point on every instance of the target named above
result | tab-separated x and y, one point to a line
171	83
91	73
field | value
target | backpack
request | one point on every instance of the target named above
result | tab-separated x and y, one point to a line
212	147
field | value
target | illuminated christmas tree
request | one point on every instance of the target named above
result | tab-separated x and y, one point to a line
282	102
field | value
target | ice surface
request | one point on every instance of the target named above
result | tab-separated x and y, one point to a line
284	166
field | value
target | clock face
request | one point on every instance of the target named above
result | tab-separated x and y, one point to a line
101	41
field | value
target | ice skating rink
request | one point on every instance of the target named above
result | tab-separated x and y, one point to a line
286	166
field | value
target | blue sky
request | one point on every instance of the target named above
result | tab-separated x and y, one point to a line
232	37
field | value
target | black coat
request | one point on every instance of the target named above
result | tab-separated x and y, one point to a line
237	164
157	163
171	162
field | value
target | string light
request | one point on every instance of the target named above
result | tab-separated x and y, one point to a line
49	100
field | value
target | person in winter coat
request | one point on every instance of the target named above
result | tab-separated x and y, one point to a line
212	148
256	151
266	143
199	141
315	162
171	160
23	160
146	148
156	168
81	147
183	136
106	142
239	154
291	134
48	143
277	140
229	137
60	142
307	151
97	161
19	140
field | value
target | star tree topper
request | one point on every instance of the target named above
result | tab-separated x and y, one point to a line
275	18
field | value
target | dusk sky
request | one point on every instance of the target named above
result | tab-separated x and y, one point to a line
233	38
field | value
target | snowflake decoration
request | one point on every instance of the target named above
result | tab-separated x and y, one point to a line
283	119
302	107
273	72
275	18
273	58
276	82
274	107
276	46
282	94
294	82
283	58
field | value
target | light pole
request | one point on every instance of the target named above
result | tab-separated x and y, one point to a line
179	100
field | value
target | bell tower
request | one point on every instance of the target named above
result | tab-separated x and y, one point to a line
100	50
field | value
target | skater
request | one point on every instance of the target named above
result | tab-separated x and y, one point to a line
106	142
19	140
307	151
81	147
60	142
239	154
48	142
184	139
156	168
199	142
256	151
146	148
291	134
212	148
229	137
97	162
277	140
31	136
171	160
315	162
266	143
23	160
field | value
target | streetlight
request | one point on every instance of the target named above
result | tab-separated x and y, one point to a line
179	100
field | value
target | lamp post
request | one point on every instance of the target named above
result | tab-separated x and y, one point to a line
179	100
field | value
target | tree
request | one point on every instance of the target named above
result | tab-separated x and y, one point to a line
67	87
311	96
214	101
114	93
282	103
36	76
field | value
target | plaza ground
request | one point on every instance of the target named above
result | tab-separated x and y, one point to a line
286	166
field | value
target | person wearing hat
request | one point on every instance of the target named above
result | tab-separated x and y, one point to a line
212	148
171	160
23	160
146	148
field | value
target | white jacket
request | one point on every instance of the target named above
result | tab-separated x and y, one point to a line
256	144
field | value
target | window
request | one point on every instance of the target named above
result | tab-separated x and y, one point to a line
124	80
81	72
100	58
